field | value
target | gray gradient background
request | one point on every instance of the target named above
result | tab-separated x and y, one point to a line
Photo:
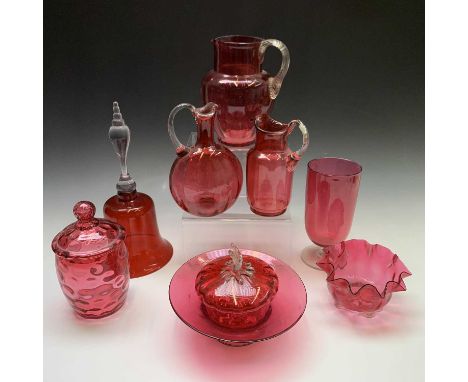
356	80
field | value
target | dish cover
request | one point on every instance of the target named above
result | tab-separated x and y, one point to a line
237	290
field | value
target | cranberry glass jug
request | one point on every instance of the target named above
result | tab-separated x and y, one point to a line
240	87
148	250
271	164
92	263
205	179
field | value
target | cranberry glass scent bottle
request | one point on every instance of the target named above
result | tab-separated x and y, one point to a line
271	164
240	87
206	178
148	251
92	263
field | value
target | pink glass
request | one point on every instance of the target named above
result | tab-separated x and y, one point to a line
271	164
205	179
331	195
148	250
286	308
236	291
92	263
240	87
362	276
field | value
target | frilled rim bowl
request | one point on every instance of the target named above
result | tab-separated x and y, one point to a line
338	257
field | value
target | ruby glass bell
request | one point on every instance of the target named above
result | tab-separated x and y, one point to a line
92	263
148	250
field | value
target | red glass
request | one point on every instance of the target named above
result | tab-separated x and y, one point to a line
286	308
240	87
148	251
331	196
271	164
92	263
237	290
205	179
362	276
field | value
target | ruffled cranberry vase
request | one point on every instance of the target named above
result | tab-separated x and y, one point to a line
240	87
206	178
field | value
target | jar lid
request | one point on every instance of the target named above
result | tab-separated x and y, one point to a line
239	283
88	236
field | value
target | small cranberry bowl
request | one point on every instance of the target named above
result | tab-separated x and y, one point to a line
361	276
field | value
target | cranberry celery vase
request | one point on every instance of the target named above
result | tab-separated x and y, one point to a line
331	195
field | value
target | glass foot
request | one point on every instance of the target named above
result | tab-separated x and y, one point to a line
311	255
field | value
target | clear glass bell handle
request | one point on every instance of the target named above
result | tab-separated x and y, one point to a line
119	135
181	149
296	155
274	83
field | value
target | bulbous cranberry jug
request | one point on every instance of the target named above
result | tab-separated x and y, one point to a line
240	87
271	164
206	178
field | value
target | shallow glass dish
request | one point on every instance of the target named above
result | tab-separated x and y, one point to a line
286	308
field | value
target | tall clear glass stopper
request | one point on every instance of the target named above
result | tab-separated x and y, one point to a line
119	135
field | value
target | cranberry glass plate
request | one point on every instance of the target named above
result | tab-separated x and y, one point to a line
286	308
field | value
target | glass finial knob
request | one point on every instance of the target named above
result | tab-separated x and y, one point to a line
84	211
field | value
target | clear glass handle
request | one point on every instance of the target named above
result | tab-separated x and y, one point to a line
179	147
296	155
274	83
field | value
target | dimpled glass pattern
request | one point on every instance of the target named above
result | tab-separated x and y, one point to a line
92	263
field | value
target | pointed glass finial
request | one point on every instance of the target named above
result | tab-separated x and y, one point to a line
119	134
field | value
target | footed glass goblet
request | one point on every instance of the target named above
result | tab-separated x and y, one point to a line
331	195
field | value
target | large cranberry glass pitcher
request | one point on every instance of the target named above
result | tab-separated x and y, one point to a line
240	87
271	164
205	179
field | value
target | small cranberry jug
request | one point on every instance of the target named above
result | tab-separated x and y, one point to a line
271	165
205	179
240	87
92	263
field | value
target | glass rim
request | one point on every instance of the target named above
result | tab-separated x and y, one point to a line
259	118
349	161
228	40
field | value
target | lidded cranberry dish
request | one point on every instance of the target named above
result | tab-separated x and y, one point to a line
237	290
